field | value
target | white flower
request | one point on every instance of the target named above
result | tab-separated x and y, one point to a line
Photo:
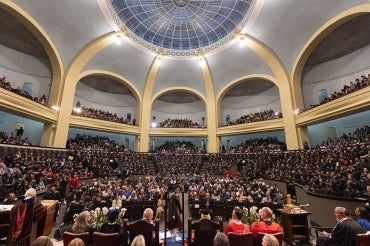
105	210
97	209
253	210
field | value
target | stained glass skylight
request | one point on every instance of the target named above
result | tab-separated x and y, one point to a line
180	25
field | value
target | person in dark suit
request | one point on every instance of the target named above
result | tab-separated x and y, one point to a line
148	215
207	202
343	233
174	210
111	226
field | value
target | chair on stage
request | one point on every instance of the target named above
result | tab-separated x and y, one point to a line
203	231
69	236
278	235
362	239
240	239
149	231
106	239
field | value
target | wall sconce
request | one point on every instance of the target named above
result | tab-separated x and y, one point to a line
56	108
153	122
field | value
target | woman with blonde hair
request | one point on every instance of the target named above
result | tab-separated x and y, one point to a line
161	203
42	241
270	240
117	202
138	241
76	242
82	224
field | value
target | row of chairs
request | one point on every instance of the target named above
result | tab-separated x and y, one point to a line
99	239
130	231
202	232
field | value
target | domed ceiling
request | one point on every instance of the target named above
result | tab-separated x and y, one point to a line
181	25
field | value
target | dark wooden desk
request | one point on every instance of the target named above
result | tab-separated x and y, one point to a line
4	222
295	226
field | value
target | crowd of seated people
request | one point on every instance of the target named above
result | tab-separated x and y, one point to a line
14	139
255	117
99	153
179	123
7	85
339	165
358	84
99	114
178	147
26	168
258	144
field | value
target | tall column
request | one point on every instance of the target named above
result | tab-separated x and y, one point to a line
212	141
48	134
146	106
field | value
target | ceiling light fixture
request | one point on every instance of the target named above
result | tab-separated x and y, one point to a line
118	39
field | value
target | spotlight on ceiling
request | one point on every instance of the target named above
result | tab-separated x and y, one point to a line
118	39
159	61
201	61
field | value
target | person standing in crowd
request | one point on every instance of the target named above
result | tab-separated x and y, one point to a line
236	224
344	231
161	203
24	217
266	225
73	181
20	132
174	210
363	218
53	194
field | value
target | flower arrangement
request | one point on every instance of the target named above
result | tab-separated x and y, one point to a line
99	216
250	215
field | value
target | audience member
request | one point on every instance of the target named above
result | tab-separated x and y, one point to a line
161	204
42	241
148	215
11	199
76	242
236	224
82	224
138	241
221	239
363	218
270	240
111	226
205	214
344	231
266	225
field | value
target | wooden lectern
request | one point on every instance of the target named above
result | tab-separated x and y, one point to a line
45	225
295	225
